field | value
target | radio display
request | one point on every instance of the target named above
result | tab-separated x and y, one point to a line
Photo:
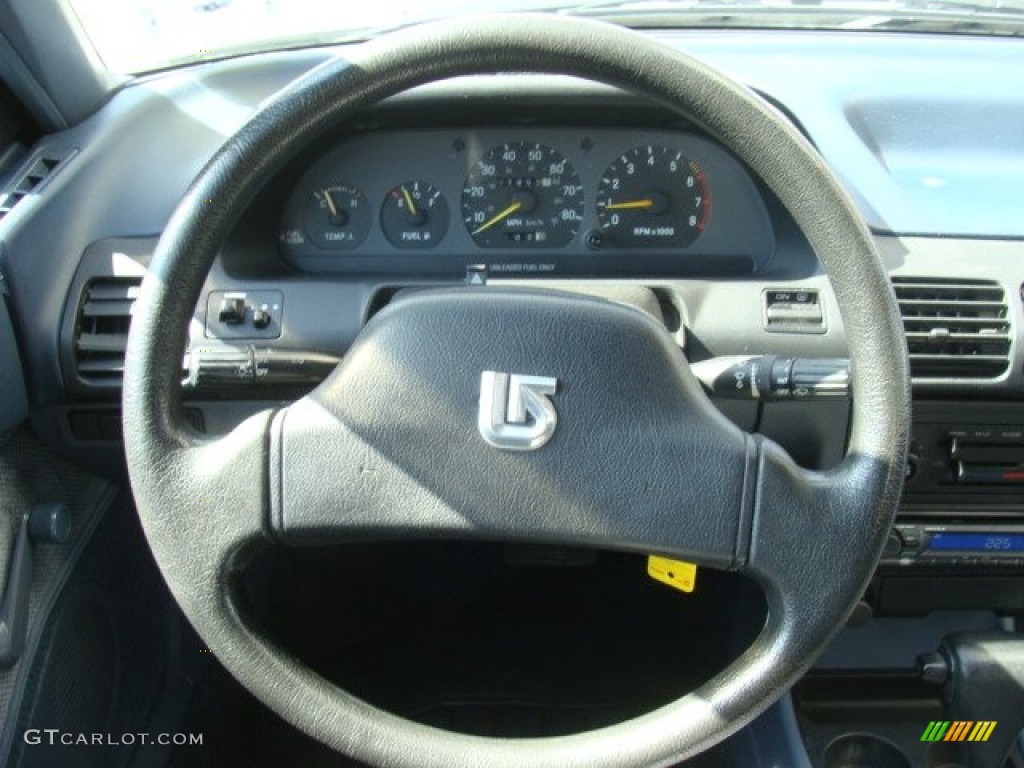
977	542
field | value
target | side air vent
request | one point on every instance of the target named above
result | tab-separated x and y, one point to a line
101	332
29	180
956	329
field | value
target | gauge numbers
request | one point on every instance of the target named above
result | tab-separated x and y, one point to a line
653	196
522	195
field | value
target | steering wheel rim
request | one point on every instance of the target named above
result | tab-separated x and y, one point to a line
225	494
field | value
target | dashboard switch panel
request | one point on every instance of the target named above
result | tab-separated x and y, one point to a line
236	315
796	310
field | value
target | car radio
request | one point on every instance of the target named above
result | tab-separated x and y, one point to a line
963	498
955	544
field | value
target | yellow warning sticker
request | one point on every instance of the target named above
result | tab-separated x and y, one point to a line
675	573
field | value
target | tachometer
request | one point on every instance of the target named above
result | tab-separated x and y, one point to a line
653	196
522	194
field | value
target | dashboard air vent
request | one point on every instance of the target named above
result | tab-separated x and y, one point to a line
956	329
101	332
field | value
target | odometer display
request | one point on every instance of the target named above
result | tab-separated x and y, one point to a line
522	195
653	197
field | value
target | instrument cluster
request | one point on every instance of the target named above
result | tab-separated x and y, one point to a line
602	201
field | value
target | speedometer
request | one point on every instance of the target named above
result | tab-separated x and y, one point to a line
654	197
522	194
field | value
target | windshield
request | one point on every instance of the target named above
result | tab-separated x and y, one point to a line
141	35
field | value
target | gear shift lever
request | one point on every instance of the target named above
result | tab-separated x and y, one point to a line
983	678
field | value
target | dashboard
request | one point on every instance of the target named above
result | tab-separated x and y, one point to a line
559	183
579	200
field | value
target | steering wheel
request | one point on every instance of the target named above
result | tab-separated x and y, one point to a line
637	458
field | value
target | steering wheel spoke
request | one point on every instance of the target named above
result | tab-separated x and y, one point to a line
216	495
809	528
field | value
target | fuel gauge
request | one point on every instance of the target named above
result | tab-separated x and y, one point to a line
337	217
414	215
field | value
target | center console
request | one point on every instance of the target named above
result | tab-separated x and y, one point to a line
963	506
953	564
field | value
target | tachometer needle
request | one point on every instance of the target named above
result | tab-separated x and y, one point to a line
330	203
498	217
630	204
409	203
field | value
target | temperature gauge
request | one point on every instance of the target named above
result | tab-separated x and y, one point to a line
337	217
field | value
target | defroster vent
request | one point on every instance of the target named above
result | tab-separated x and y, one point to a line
956	329
32	178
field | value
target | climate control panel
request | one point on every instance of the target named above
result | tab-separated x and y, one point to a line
978	461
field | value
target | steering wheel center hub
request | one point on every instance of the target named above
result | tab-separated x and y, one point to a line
421	399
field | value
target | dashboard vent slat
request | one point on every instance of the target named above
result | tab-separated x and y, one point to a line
944	334
959	322
101	331
107	308
942	305
102	342
955	329
126	291
106	369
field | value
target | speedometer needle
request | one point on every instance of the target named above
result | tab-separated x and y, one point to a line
498	217
630	204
